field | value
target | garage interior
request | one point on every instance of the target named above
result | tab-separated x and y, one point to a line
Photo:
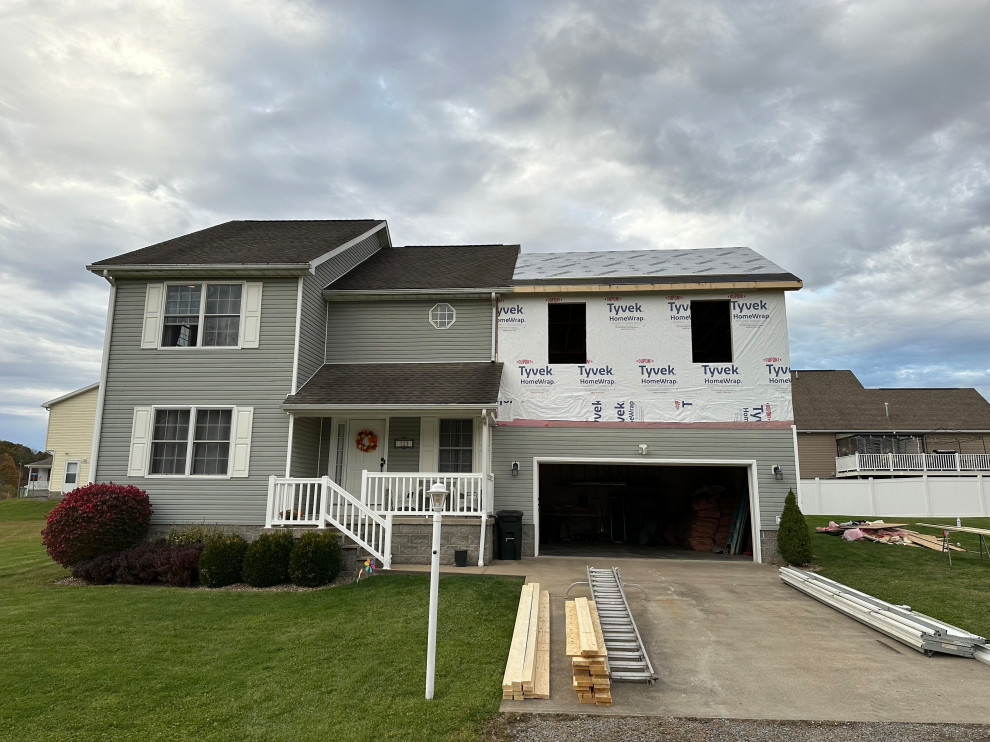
644	510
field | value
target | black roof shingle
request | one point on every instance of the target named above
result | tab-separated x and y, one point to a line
249	243
433	267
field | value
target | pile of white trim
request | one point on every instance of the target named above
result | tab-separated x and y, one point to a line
916	630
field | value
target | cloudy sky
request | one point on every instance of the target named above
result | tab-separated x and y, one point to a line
847	141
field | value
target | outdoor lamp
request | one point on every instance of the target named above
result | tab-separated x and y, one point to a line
437	495
515	468
777	473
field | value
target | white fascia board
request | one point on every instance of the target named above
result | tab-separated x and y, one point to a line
302	409
340	248
399	294
192	269
70	395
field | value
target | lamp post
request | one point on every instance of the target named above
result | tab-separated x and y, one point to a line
437	495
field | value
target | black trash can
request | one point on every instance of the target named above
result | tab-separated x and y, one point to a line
460	557
510	536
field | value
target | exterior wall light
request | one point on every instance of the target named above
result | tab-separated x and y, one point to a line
643	448
515	468
777	473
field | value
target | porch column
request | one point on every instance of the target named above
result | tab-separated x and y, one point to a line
486	440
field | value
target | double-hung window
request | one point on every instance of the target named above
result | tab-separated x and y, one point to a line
191	441
202	315
456	452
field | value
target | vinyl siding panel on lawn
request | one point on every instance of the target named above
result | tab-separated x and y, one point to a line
250	377
523	444
313	312
70	436
400	332
816	452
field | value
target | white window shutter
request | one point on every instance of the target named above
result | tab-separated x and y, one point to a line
429	443
251	331
137	462
151	331
243	420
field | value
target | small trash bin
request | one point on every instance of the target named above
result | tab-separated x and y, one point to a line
509	525
460	557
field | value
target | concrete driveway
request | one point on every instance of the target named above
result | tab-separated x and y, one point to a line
728	639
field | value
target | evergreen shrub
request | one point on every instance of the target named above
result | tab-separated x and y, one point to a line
315	559
99	518
266	561
222	560
193	534
793	536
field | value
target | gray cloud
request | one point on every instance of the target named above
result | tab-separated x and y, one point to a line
847	141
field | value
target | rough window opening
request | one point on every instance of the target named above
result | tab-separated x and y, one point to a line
711	331
567	333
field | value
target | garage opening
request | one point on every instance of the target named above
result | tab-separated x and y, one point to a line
643	510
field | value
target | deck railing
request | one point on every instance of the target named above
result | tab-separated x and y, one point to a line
408	493
912	463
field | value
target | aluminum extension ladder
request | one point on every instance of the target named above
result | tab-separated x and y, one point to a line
627	658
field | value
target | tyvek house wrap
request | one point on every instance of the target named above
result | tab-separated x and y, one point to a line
639	367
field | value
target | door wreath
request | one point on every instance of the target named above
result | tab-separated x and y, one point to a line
367	441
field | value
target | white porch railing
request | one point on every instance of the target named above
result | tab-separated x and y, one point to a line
408	493
316	502
912	463
367	519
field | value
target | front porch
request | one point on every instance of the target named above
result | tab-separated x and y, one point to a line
387	502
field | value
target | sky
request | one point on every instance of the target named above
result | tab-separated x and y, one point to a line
847	141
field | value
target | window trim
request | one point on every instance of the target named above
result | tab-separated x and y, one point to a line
453	315
202	315
190	441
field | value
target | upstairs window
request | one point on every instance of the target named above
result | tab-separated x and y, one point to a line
567	333
711	331
442	316
213	308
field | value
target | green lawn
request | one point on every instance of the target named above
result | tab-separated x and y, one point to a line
916	577
158	663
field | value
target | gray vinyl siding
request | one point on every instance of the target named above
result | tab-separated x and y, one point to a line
313	312
400	332
523	444
250	377
403	459
305	447
816	452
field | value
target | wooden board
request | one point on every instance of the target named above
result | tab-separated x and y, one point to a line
572	639
960	529
512	679
929	542
529	659
586	629
596	623
542	680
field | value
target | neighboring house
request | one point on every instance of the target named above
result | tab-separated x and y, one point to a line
70	437
311	373
38	475
846	430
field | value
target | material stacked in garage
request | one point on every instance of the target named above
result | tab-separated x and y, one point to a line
527	671
586	648
708	524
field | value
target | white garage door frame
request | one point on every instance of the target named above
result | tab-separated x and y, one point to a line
749	464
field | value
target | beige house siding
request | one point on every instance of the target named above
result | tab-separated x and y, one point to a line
960	442
816	452
70	435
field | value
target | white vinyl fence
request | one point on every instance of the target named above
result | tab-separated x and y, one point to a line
941	497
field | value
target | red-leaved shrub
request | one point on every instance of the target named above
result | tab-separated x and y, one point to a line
96	519
147	563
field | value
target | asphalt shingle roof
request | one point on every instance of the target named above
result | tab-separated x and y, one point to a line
401	384
433	267
249	243
837	401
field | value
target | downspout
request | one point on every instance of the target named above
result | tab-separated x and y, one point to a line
101	395
494	326
797	464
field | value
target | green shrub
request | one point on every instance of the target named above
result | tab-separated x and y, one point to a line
315	559
793	536
266	561
222	560
193	534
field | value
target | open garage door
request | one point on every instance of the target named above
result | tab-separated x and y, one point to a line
644	510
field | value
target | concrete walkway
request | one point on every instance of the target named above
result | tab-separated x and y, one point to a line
729	639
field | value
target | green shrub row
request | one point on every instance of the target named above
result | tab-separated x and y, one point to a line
272	559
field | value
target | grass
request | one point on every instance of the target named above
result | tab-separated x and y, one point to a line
917	577
154	663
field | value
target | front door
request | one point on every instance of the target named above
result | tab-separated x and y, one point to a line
71	479
357	458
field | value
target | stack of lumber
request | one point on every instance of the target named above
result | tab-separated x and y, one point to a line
586	648
929	542
527	671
